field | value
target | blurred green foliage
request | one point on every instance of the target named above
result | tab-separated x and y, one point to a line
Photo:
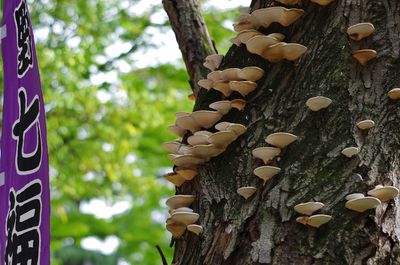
106	123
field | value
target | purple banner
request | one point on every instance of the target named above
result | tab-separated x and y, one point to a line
24	181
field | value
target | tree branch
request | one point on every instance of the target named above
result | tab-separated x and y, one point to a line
192	35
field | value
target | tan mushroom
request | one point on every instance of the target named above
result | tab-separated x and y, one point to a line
266	172
362	204
198	139
187	173
242	25
394	94
259	44
215	76
350	151
174	178
251	73
264	17
223	87
266	153
185	217
365	124
175	129
384	193
206	118
175	228
223	106
238	129
192	97
308	208
244	35
354	196
205	151
360	31
181	209
188	123
179	201
187	160
363	56
243	87
238	104
246	192
322	2
213	61
281	139
172	146
196	229
282	50
317	103
206	83
230	74
314	220
222	138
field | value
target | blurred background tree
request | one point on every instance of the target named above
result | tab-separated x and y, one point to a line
112	79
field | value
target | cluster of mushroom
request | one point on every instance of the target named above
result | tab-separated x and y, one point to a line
182	217
269	47
360	203
358	32
307	209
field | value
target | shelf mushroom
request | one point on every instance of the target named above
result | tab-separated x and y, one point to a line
308	208
205	151
187	172
175	178
188	123
360	31
282	50
196	229
365	55
237	128
365	124
243	87
314	220
264	17
243	36
186	218
206	118
222	138
246	192
281	139
178	201
238	104
266	153
175	129
251	73
317	103
260	43
192	97
384	193
206	83
359	203
213	61
266	172
187	159
394	94
223	106
350	151
322	2
175	228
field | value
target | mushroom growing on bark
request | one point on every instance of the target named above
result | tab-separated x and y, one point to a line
246	192
281	139
360	31
317	103
365	55
362	203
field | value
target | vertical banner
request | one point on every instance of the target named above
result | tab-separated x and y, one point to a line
24	191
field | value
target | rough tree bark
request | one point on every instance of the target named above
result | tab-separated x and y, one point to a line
262	230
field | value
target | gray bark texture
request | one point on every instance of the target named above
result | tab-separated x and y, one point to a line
263	230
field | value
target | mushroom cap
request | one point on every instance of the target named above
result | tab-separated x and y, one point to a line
242	25
266	153
350	151
185	217
243	87
251	73
238	104
223	106
281	139
174	178
289	2
384	193
322	2
222	138
362	204
238	129
230	74
360	31
187	173
203	132
308	208
317	103
235	40
176	229
197	229
278	36
354	196
181	209
192	97
266	172
188	123
244	35
394	93
363	56
179	201
246	192
205	151
213	61
283	50
365	124
206	83
187	160
266	16
175	129
197	139
172	146
258	44
223	87
206	118
215	75
315	220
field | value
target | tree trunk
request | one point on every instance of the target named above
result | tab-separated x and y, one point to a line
263	230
